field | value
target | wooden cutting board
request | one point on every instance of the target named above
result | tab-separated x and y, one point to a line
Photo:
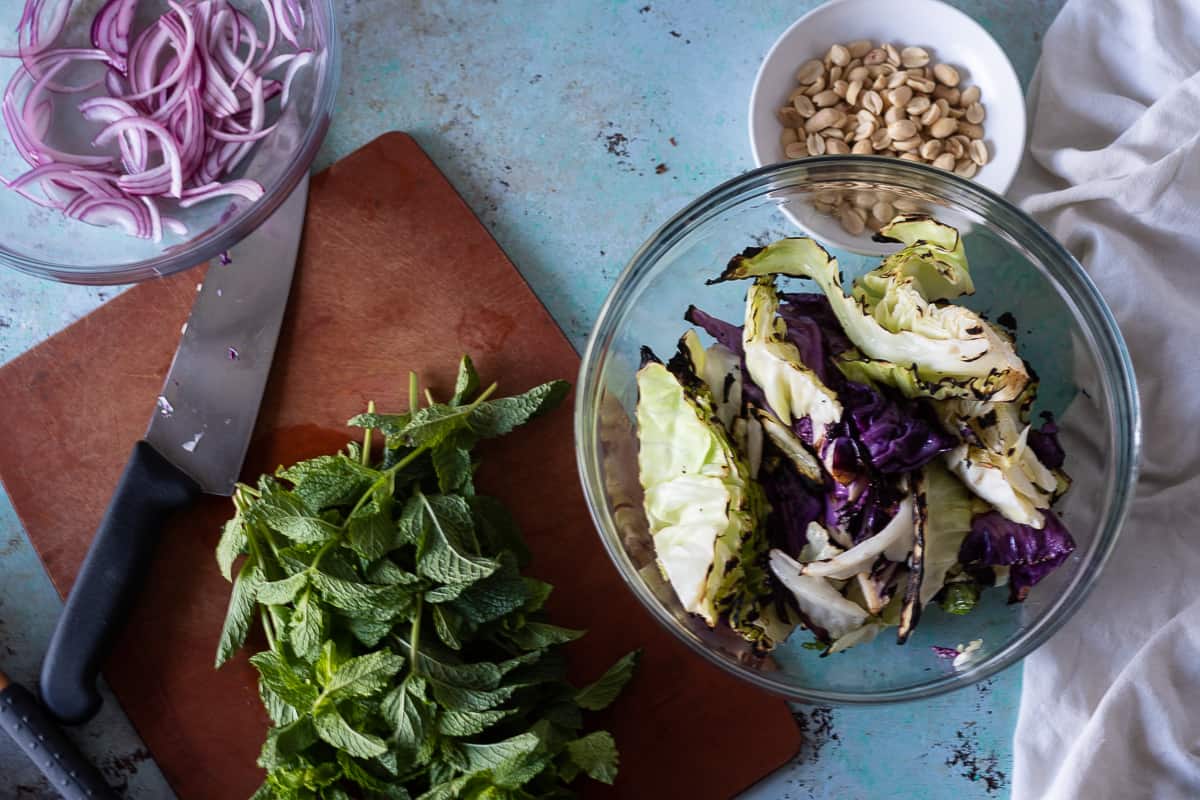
395	273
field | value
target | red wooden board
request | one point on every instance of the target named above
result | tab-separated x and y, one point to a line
395	274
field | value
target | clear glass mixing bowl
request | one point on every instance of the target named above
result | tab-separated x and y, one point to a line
1064	329
43	242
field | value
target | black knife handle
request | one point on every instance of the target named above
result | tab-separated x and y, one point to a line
44	742
150	489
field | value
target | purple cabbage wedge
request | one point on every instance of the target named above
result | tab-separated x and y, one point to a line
1031	554
815	307
794	504
859	500
899	436
1044	443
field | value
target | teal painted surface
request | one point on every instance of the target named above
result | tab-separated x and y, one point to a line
552	120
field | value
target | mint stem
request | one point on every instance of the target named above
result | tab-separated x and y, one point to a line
366	451
415	637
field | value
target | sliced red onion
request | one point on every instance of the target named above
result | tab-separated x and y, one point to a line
184	42
155	218
302	59
186	103
170	152
250	190
110	30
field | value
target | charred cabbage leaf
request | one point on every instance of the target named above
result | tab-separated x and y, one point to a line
825	611
792	390
919	347
997	462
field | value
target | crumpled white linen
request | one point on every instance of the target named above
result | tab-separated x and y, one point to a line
1110	706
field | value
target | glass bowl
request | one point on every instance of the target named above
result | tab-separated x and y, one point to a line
44	242
1064	330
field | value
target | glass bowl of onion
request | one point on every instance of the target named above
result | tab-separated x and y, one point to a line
813	536
142	137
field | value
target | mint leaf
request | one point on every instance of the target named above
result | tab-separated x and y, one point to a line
291	685
332	656
294	559
517	772
448	626
241	610
358	772
498	417
369	632
410	528
301	782
469	723
497	529
285	744
490	756
363	676
457	698
491	598
306	627
327	481
467	383
370	531
369	600
476	675
595	754
600	694
446	592
537	635
433	424
385	572
449	790
388	424
536	594
279	592
452	462
288	514
335	730
410	719
280	712
446	551
232	544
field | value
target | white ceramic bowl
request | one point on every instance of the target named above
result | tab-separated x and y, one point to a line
947	33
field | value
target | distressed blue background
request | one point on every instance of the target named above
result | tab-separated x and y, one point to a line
552	120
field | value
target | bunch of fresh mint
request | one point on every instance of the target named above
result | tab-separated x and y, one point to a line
408	657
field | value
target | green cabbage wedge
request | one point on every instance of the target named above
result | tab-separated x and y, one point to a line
706	514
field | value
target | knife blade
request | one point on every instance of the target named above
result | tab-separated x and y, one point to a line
196	441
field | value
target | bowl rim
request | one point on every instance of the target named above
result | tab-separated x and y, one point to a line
220	238
958	16
1111	352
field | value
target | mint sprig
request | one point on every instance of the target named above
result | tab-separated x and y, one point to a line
407	657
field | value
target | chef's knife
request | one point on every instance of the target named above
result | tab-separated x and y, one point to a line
196	442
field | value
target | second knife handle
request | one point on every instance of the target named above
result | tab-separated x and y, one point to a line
48	747
150	489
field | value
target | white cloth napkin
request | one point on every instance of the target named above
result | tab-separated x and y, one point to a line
1111	704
